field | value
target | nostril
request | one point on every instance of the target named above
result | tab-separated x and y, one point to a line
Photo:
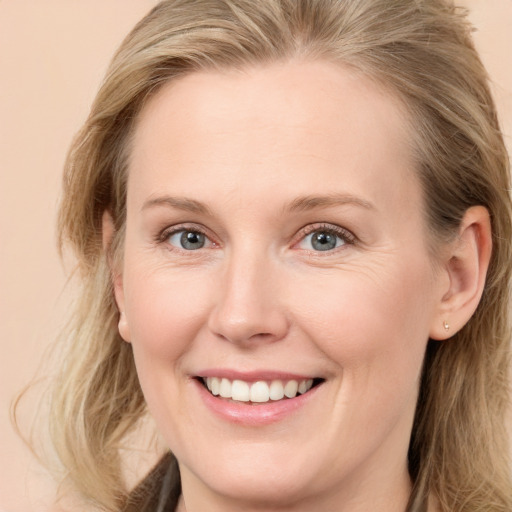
245	315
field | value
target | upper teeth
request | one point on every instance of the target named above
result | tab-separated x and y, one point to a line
260	391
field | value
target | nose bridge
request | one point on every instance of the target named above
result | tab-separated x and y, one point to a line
248	304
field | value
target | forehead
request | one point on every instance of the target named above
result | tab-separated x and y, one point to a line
298	117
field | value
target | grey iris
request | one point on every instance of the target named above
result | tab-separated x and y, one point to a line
323	241
191	240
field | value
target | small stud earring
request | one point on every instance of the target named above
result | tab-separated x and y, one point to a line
446	326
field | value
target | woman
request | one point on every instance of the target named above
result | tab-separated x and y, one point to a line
293	228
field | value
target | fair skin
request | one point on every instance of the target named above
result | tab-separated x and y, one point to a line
274	234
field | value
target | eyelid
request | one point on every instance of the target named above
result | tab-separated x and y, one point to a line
164	234
344	234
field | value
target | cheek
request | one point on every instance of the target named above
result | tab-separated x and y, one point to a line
165	311
372	324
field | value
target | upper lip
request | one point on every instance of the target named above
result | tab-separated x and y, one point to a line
254	375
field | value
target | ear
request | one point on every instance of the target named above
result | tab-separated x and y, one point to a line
466	263
108	231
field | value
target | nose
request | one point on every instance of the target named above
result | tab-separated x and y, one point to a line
248	308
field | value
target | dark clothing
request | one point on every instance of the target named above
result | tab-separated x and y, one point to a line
159	491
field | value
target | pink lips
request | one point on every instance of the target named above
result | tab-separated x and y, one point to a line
248	413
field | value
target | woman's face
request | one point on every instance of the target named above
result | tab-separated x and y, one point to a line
274	240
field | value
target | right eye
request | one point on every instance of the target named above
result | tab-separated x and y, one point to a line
188	240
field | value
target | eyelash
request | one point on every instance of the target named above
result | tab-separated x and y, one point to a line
347	237
164	235
343	234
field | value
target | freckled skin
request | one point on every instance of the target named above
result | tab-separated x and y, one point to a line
259	295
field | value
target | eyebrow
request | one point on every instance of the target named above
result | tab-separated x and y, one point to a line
300	204
180	203
305	203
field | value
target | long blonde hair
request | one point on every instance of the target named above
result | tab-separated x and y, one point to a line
419	49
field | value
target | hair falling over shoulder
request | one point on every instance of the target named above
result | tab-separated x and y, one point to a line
421	50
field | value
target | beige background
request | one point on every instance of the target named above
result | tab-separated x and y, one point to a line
53	54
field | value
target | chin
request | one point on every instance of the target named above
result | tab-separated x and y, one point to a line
277	487
264	476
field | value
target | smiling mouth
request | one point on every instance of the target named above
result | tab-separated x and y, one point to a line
258	392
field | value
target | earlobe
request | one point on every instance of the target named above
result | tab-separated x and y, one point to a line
123	327
108	231
466	264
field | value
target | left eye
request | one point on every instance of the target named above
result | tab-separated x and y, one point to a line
322	240
188	240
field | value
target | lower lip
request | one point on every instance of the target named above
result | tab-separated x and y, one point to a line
245	413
